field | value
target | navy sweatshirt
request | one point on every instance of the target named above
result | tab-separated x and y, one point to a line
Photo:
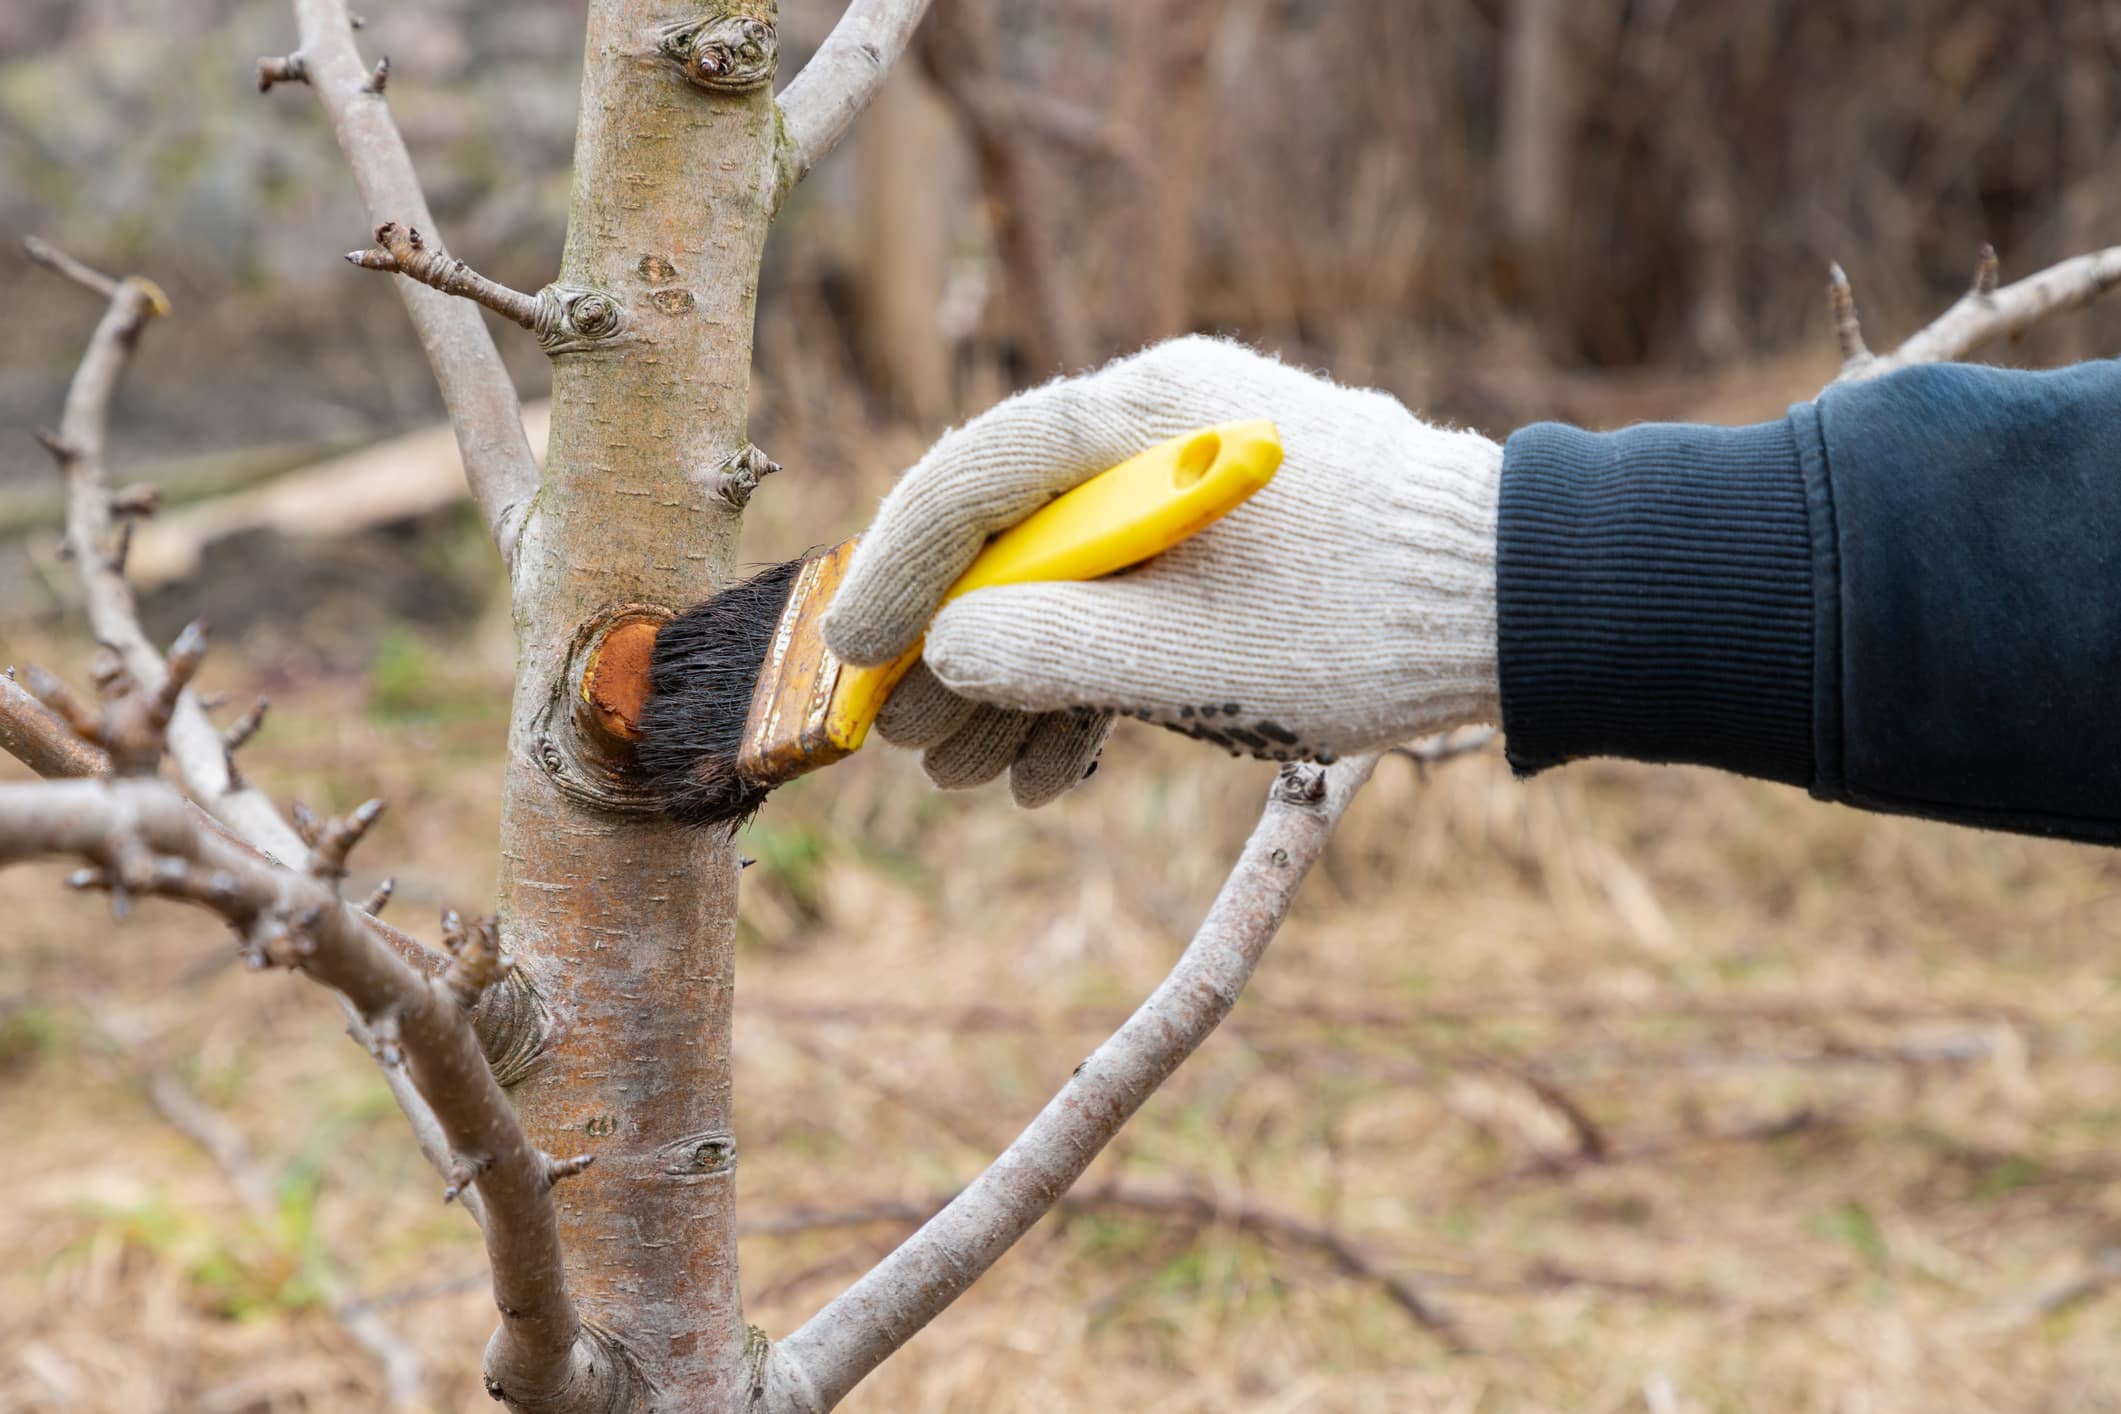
1905	596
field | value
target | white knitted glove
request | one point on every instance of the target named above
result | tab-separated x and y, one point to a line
1348	605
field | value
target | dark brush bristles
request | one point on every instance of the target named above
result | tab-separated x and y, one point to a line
700	681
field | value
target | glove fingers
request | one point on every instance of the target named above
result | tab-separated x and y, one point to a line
978	751
1121	644
1060	755
1152	645
997	469
921	712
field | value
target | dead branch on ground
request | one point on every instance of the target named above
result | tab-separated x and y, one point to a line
1265	1015
1191	1206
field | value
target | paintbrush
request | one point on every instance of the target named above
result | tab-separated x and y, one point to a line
743	694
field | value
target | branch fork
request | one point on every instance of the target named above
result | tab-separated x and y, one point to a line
1986	312
482	401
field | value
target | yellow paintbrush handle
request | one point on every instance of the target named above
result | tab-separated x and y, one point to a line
1115	520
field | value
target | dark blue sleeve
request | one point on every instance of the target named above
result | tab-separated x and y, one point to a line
1905	596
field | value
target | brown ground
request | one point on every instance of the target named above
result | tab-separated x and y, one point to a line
1675	1092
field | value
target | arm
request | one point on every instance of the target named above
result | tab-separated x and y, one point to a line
1905	596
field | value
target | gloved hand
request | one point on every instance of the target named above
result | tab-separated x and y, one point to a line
1348	605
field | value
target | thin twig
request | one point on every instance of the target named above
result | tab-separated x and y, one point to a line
91	535
1445	746
822	101
816	1366
34	735
482	402
52	258
402	250
1984	313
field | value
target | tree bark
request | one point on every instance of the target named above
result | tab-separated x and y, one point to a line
626	921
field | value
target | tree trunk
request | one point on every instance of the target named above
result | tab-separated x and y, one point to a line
624	921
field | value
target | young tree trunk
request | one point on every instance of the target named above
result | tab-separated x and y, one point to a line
624	921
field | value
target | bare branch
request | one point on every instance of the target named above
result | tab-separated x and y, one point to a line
404	251
52	258
36	736
140	836
92	537
1984	313
483	408
822	101
816	1366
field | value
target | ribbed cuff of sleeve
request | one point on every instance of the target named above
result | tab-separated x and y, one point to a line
1654	598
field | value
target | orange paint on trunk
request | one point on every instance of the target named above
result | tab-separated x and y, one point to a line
615	684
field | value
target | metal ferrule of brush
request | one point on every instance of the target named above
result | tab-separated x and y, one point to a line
799	717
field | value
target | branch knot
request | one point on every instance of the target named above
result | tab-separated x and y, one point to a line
723	54
288	68
574	318
740	475
476	958
1301	783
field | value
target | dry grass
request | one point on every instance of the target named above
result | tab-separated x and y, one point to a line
1852	1081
